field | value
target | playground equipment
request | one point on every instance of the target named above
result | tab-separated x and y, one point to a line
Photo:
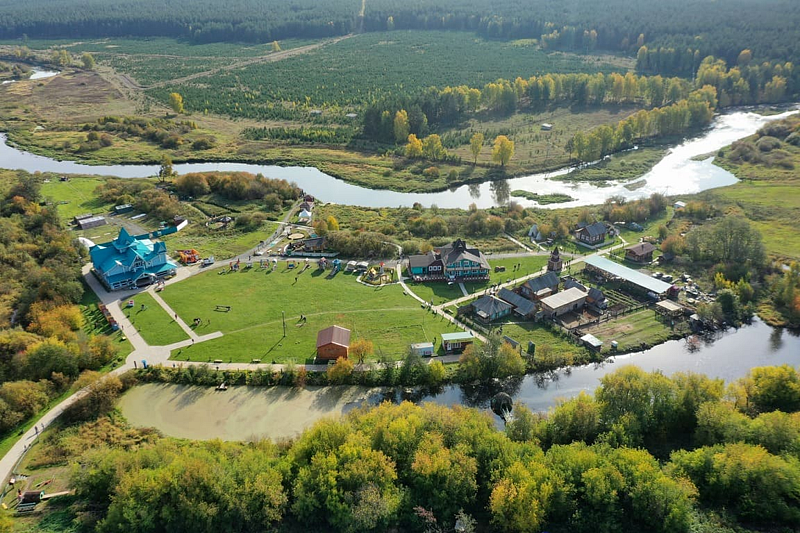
188	257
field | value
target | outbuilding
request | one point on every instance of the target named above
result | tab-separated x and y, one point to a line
456	342
333	343
564	302
422	349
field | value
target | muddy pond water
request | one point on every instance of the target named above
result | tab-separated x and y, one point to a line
248	413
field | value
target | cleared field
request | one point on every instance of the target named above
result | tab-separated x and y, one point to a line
253	328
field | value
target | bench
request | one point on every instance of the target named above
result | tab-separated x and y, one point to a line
255	361
217	361
225	308
26	507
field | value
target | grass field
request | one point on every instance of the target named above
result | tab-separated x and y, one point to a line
632	330
253	327
153	323
624	166
222	245
524	332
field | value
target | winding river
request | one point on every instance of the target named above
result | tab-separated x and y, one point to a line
676	173
248	413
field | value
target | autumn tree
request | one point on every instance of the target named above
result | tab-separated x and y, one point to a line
176	102
166	172
414	147
340	371
361	348
88	61
432	148
503	150
401	127
475	145
276	47
333	224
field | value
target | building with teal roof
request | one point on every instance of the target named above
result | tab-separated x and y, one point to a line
129	262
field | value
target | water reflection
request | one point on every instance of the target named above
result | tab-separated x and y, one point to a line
776	339
500	191
474	191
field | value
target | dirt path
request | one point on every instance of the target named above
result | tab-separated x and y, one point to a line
270	58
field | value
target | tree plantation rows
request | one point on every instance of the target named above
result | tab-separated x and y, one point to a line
770	30
646	453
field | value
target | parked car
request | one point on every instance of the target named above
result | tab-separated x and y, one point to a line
208	261
258	252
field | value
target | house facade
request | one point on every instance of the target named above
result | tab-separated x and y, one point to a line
129	262
456	342
456	262
640	253
592	233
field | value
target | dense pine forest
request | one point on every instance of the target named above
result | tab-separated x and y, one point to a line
770	28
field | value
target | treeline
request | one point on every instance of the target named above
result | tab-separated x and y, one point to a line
277	193
43	347
684	116
577	25
163	132
442	107
647	452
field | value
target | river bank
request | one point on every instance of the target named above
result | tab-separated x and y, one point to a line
247	412
675	174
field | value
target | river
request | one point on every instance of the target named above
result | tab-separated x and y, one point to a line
675	174
247	413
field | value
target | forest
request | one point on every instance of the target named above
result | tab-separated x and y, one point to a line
770	29
646	452
45	341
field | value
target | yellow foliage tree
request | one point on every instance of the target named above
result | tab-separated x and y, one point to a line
503	150
176	102
61	322
340	370
360	349
414	147
276	47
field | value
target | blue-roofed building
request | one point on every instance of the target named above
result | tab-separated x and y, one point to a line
129	262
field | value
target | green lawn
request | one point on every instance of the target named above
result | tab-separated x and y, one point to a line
155	326
630	331
75	197
253	328
221	245
525	331
650	227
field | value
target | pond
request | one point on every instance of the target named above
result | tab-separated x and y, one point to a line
676	173
248	413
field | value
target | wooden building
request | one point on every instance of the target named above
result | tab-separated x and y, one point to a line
333	343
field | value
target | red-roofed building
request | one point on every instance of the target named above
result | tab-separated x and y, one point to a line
333	343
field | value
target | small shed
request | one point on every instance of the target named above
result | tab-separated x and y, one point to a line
592	342
124	208
78	218
456	342
333	343
351	266
92	222
422	349
362	266
679	205
546	126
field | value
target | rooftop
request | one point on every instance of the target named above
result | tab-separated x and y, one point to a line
460	336
333	335
628	274
563	298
